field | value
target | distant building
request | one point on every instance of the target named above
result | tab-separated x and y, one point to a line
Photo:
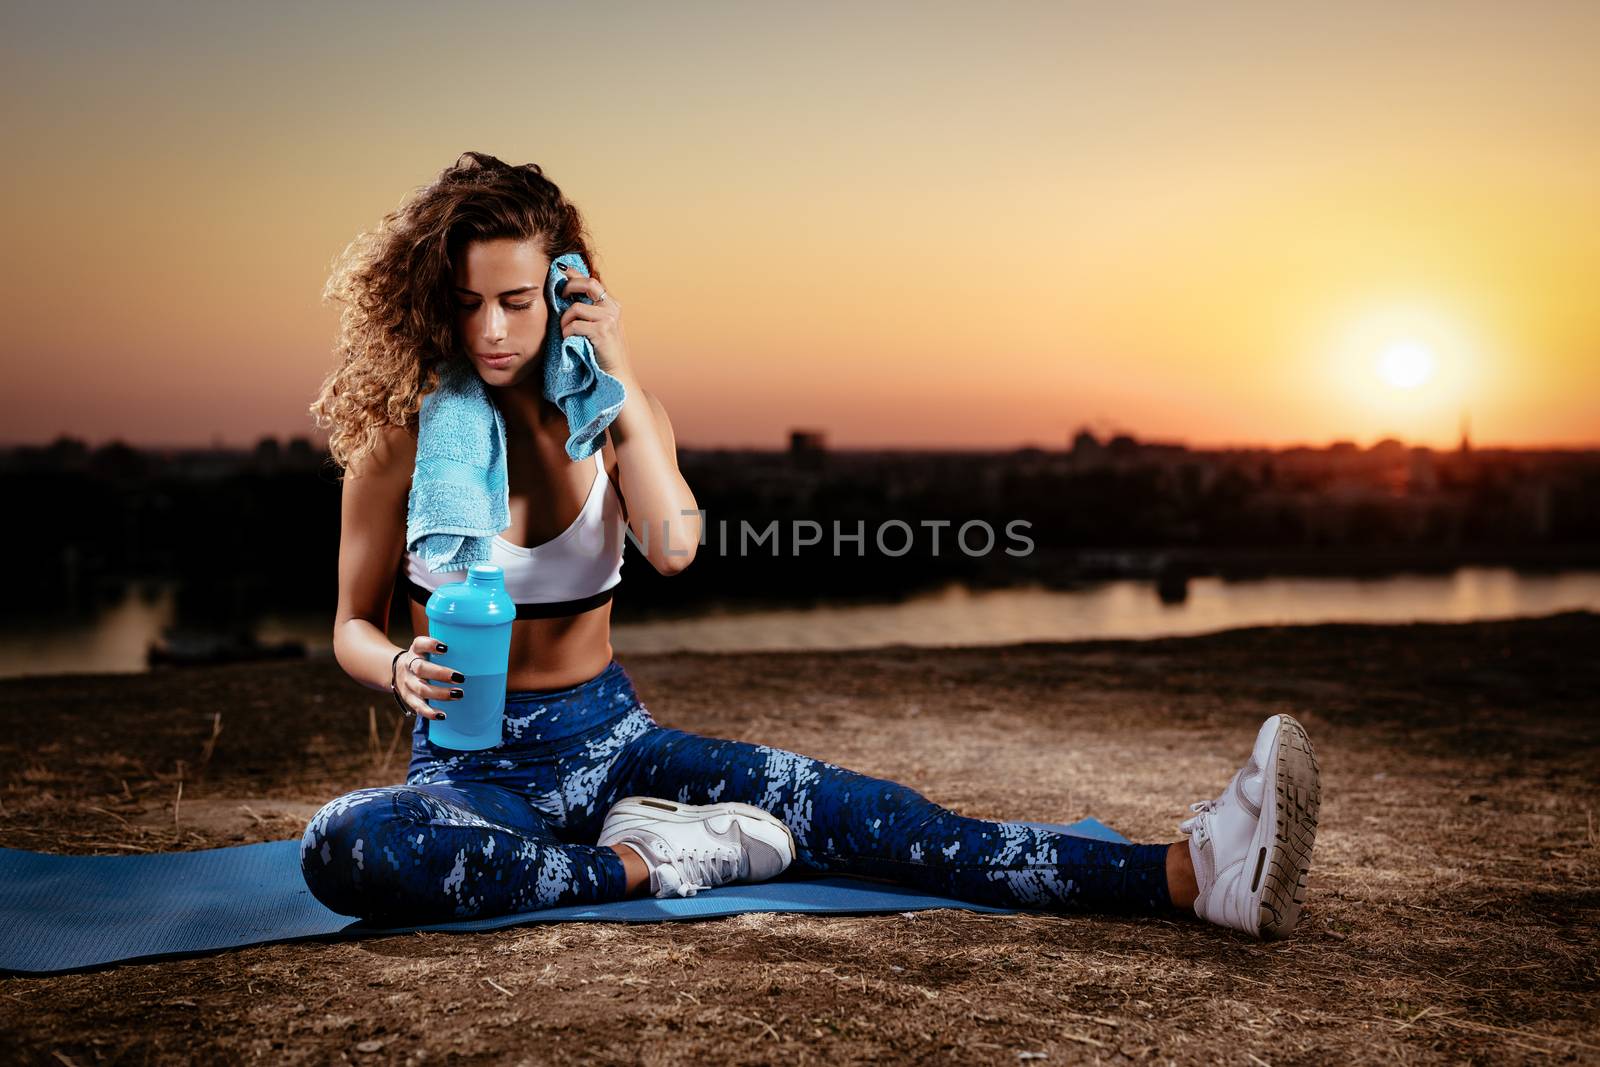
807	441
1123	444
1086	445
301	452
120	461
268	454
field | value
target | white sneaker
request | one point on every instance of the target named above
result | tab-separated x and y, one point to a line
689	848
1251	858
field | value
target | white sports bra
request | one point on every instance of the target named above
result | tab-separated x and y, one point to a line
571	573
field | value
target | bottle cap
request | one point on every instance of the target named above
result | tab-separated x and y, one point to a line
480	600
486	573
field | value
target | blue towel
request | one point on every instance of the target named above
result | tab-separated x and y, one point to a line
573	380
460	491
63	913
460	494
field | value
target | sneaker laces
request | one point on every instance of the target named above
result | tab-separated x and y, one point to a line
1201	808
703	868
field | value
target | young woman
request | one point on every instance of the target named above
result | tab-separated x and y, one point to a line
587	798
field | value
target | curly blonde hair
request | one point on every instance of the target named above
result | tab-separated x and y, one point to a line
397	319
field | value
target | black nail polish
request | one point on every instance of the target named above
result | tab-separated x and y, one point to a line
442	715
457	676
456	694
443	647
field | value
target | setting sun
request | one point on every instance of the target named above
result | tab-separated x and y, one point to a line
1406	364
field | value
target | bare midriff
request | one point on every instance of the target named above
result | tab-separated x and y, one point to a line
548	653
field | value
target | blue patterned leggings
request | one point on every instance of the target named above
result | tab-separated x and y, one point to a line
509	828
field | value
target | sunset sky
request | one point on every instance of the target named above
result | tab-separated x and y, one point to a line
905	225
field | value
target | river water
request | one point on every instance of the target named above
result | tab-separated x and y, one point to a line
117	639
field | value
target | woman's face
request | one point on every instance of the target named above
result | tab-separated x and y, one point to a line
500	307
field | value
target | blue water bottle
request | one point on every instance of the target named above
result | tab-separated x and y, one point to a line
473	618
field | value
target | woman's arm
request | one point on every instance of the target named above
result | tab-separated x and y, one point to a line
647	456
657	495
372	532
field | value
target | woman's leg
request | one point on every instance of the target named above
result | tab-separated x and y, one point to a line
847	822
447	850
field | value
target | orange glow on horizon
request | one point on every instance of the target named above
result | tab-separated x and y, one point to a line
902	231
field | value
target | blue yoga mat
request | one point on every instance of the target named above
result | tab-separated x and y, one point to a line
62	913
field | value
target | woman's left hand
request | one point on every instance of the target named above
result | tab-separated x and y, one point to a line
600	322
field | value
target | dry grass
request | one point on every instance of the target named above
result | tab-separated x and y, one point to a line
1452	913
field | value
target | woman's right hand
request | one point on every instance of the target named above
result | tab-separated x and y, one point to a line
412	674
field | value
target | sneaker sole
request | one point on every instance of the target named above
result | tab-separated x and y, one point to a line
1288	829
670	810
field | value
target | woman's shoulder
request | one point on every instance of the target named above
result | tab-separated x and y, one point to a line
392	456
399	437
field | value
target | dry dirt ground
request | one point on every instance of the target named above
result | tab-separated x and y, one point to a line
1451	916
